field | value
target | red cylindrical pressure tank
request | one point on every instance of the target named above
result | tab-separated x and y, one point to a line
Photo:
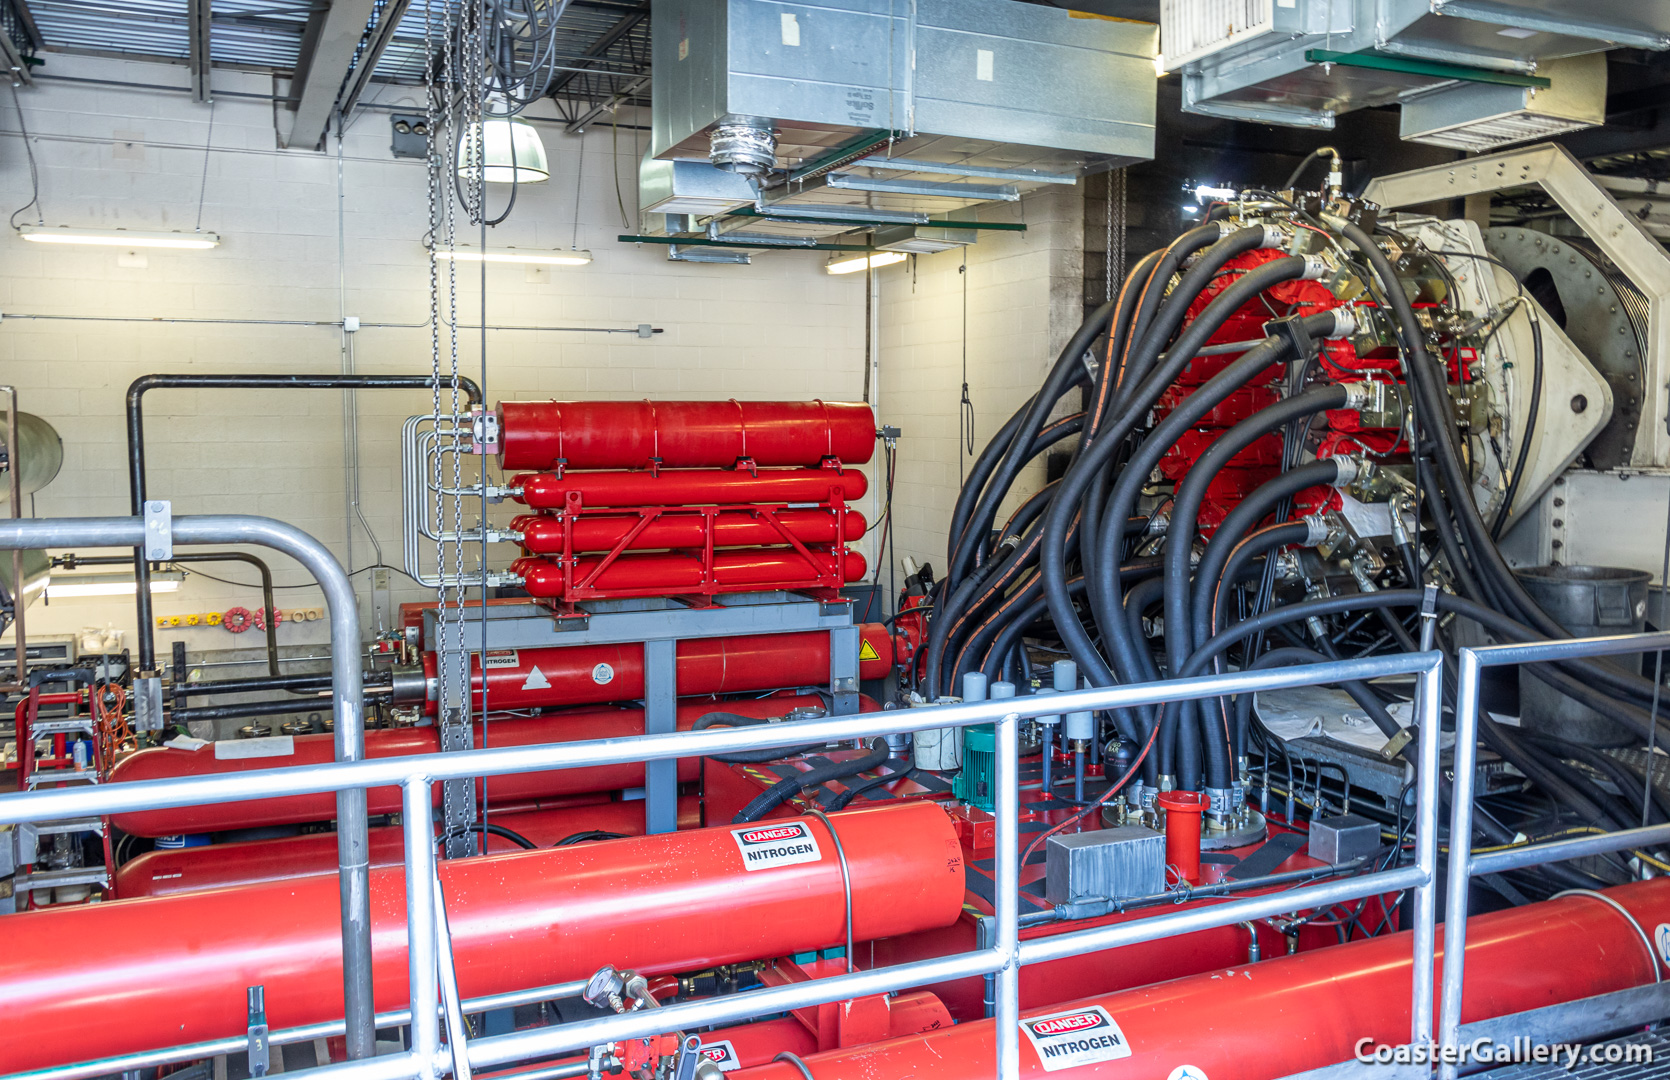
682	434
173	969
166	871
689	487
1287	1015
673	572
161	762
589	674
542	534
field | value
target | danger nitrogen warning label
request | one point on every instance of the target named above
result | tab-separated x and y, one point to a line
767	846
1076	1037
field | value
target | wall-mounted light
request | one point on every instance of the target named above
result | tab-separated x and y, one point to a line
131	238
851	264
62	585
512	255
511	152
1214	191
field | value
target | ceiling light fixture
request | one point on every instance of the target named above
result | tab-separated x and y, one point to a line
511	152
511	255
130	238
60	586
854	263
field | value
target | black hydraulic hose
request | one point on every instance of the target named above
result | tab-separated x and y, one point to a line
747	757
1185	510
1530	426
980	471
588	836
845	798
136	450
497	830
1627	782
1067	371
1087	468
1240	521
784	790
1138	599
250	708
1255	545
1180	420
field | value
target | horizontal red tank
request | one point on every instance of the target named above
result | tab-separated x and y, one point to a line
1291	1014
689	487
166	871
590	674
682	434
752	568
173	969
542	533
673	572
161	762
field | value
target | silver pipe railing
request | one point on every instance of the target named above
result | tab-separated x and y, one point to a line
426	939
353	845
1464	865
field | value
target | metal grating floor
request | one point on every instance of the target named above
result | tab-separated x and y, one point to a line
1657	1069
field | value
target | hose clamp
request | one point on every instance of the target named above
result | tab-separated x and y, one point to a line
1350	470
1275	237
1345	322
1316	526
1317	267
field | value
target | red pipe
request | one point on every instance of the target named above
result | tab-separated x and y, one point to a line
1295	1013
682	434
161	762
542	533
161	971
687	487
1183	810
664	574
588	674
167	871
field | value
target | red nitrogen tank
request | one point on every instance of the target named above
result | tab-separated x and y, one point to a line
664	574
161	762
1292	1014
689	487
682	434
167	871
542	534
590	674
172	969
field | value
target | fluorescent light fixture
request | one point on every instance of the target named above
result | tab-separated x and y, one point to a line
131	238
511	255
854	263
60	586
1190	208
1213	191
511	152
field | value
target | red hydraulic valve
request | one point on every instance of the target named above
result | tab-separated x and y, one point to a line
173	969
166	871
689	487
682	434
543	534
589	674
661	574
1288	1015
160	762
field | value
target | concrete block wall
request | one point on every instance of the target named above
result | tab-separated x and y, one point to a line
1023	303
292	251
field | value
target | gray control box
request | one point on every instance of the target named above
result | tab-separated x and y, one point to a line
1106	864
1343	839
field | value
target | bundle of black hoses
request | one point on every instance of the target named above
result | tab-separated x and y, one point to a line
1067	557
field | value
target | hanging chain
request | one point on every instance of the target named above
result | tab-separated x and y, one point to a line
1114	249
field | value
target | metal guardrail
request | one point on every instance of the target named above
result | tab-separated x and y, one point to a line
1464	865
429	946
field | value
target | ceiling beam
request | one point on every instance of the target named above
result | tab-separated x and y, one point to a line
334	34
603	44
381	35
198	15
607	104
